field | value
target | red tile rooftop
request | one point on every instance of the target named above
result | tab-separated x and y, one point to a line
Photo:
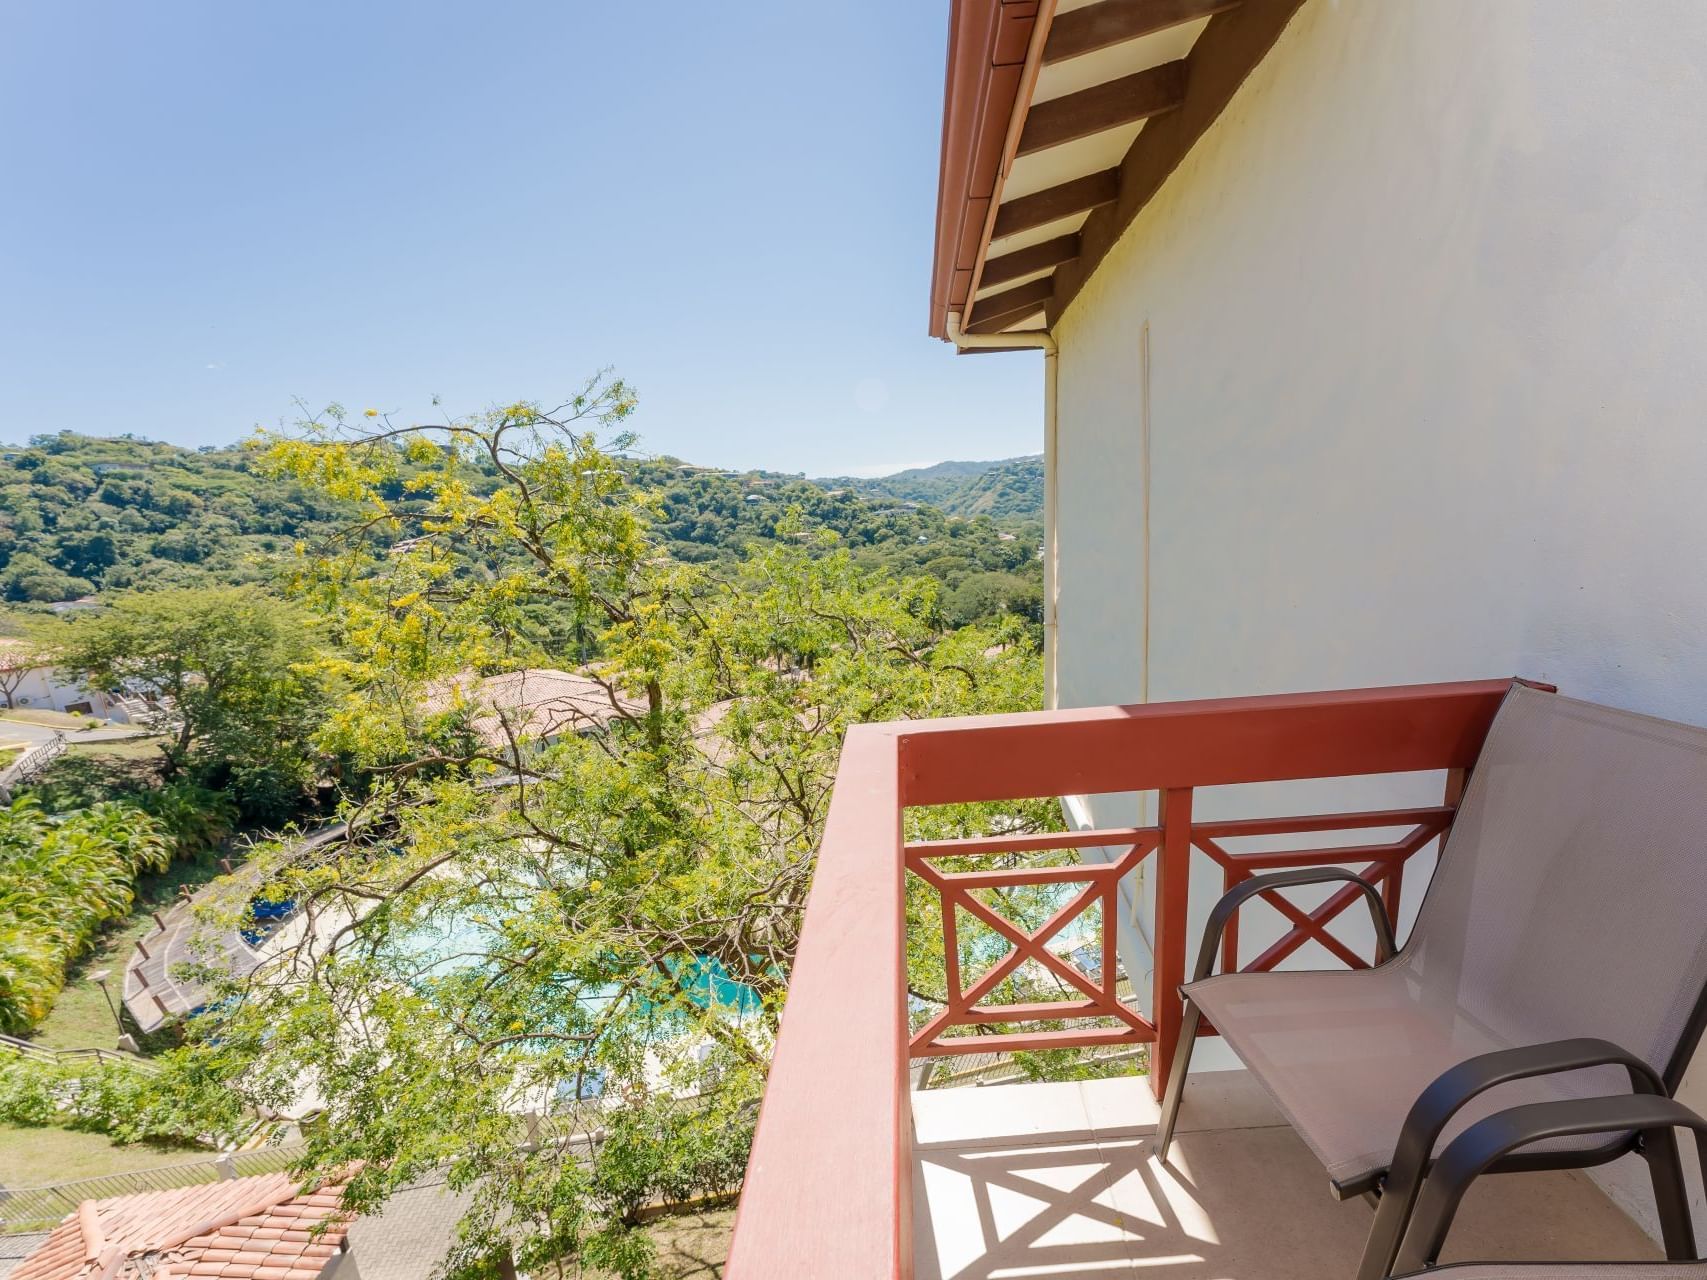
256	1228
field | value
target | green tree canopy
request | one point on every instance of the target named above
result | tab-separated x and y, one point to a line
84	514
516	930
242	671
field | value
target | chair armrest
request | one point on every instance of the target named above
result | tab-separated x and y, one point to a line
1245	890
1451	1090
1481	1145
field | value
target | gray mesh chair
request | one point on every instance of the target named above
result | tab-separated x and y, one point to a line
1560	953
1649	1117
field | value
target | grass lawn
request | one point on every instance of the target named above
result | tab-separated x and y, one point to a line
92	771
694	1246
691	1246
139	749
37	1157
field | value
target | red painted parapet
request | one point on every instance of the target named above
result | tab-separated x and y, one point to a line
828	1190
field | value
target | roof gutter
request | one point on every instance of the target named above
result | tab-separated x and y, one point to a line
993	52
1030	339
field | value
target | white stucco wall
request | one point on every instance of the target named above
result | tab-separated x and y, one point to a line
1427	319
42	689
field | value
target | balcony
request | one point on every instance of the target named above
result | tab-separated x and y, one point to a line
857	1175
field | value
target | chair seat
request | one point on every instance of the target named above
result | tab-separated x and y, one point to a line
1345	1054
1567	1271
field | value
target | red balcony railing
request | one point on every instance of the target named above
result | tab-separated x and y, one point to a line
828	1191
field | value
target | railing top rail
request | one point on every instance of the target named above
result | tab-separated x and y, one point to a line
46	1053
1029	842
833	1146
1212	742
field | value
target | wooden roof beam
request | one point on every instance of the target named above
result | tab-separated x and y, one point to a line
1026	213
1105	106
1228	50
1114	22
996	312
1024	262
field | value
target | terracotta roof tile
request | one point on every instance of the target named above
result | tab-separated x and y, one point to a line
233	1230
539	702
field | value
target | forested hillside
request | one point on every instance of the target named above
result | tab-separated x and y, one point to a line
82	515
1009	489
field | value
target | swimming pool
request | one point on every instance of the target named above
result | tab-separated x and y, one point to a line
461	943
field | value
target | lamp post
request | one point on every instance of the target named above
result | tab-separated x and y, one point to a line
99	977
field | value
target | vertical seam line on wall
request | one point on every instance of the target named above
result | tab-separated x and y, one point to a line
1135	912
1144	487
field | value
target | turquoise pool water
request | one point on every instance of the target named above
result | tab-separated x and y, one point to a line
461	944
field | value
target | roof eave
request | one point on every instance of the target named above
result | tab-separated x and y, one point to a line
991	47
993	138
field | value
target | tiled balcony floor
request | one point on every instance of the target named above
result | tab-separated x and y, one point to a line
1052	1181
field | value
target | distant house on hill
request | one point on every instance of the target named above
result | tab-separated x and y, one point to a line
29	682
537	705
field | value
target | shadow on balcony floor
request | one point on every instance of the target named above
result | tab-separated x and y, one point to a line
1055	1181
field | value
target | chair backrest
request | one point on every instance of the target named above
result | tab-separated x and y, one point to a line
1571	897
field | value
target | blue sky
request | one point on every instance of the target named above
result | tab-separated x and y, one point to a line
216	208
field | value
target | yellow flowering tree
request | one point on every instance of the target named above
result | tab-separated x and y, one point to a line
518	930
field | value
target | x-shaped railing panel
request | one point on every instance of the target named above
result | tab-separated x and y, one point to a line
1382	864
957	891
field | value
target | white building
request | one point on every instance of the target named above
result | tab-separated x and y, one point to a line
39	687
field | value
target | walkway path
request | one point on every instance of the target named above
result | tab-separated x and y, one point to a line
28	731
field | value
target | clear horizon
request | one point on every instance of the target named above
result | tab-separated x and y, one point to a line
877	472
232	208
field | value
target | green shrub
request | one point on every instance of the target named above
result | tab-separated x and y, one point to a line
673	1150
194	818
29	1092
63	877
118	1099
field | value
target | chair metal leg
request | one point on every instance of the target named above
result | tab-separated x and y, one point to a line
1176	1078
1392	1214
1671	1193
